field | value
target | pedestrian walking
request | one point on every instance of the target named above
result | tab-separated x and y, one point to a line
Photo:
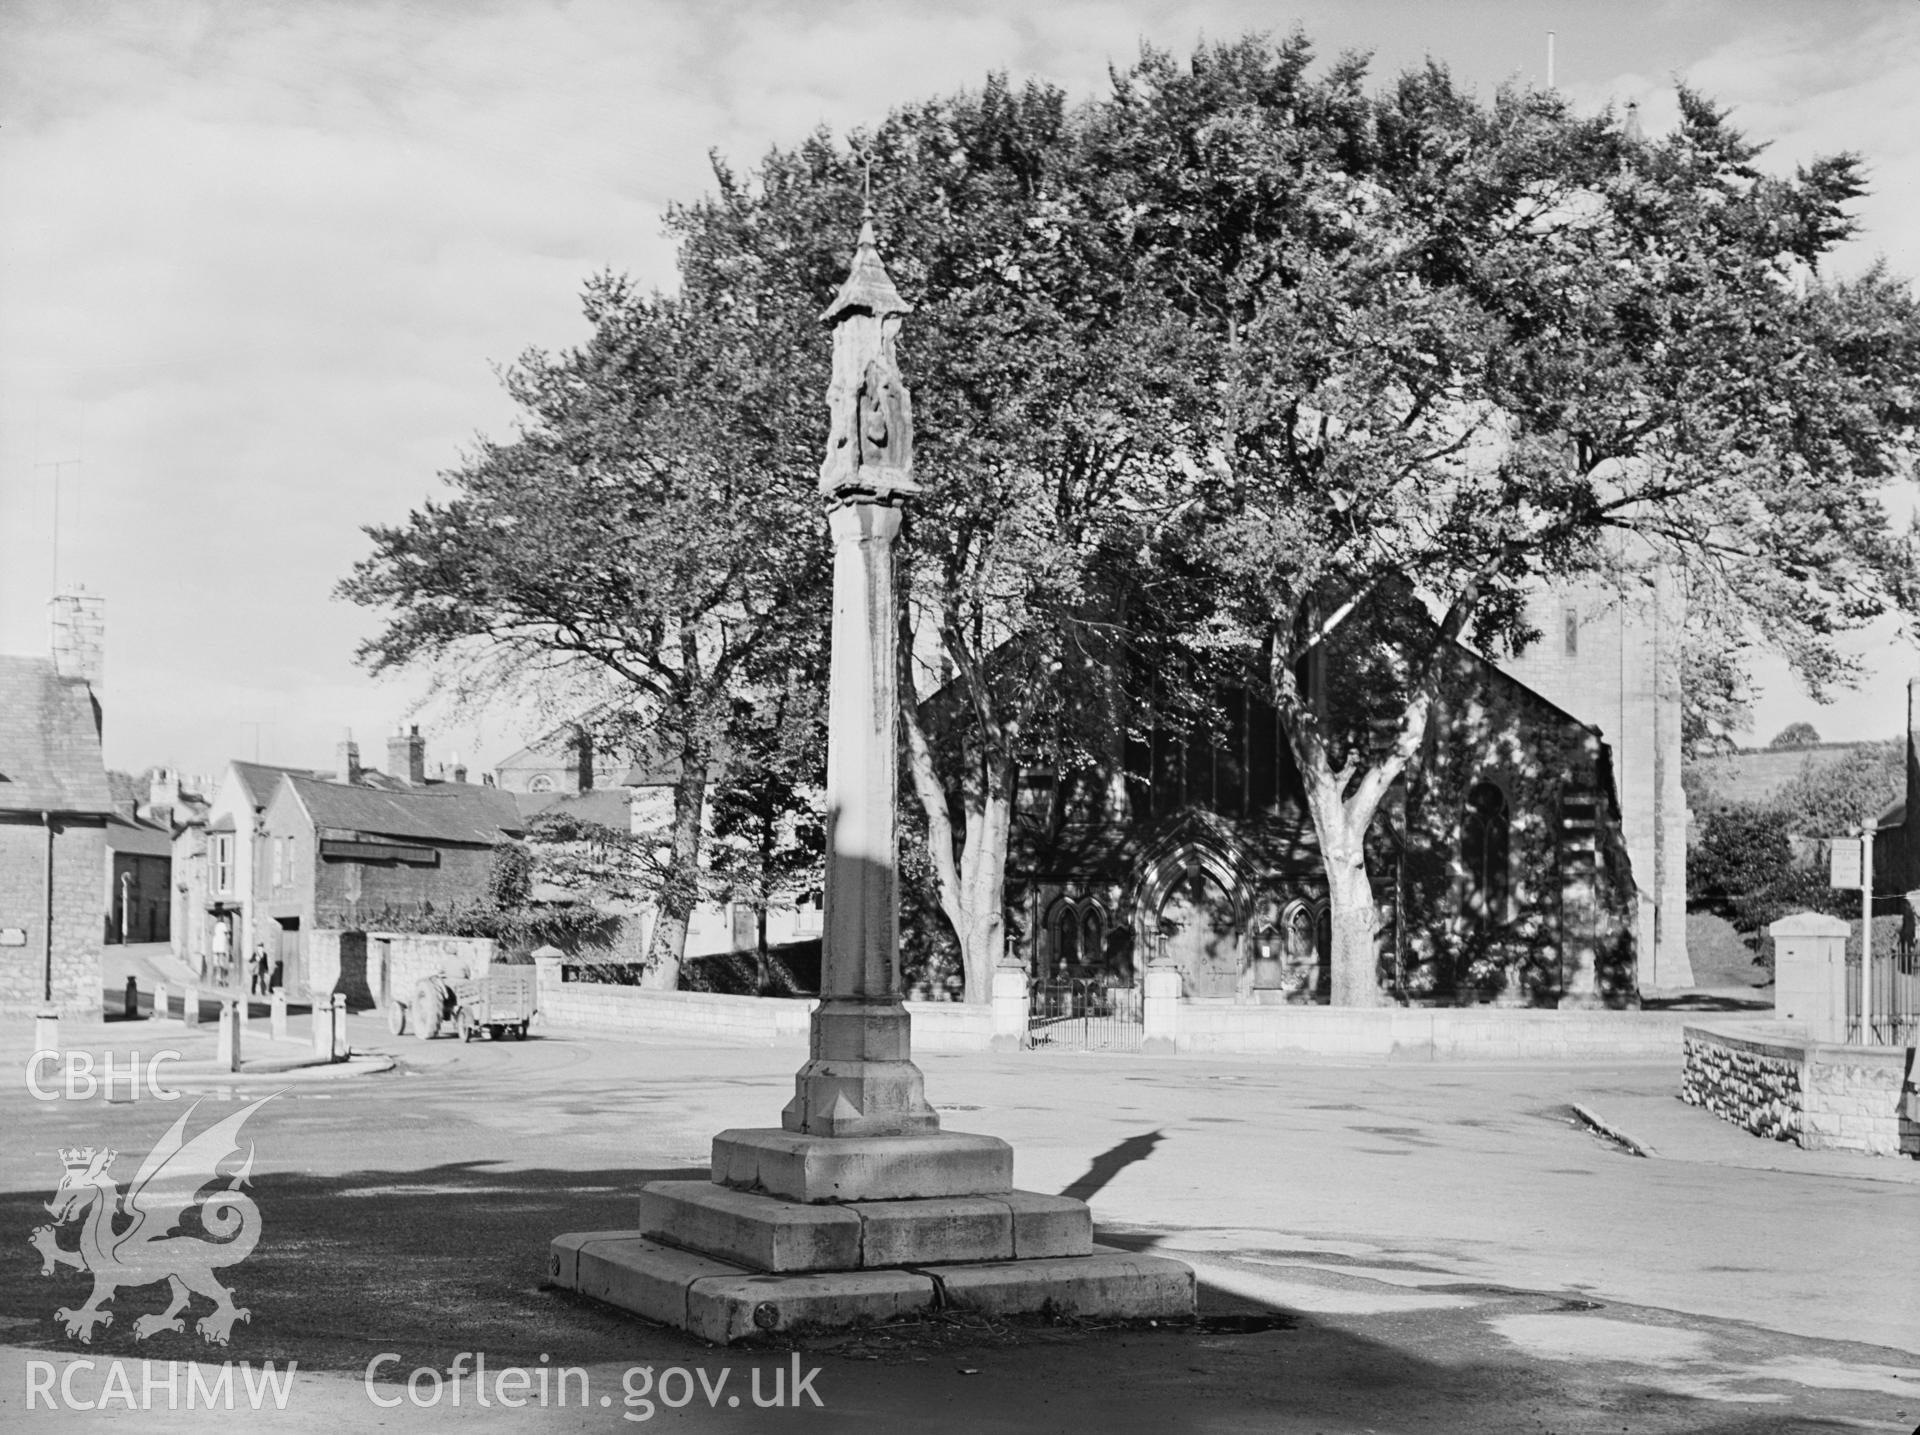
259	971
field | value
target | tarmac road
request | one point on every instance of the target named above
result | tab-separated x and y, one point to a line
1384	1248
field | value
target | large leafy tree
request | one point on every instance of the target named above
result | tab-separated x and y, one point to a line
1456	348
1045	375
1238	363
646	545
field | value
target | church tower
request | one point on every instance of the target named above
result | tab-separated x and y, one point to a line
1611	656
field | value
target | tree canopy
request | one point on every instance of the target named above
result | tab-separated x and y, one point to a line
1241	362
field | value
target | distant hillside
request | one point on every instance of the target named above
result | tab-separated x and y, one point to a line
1753	777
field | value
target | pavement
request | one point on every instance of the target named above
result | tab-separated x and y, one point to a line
1380	1248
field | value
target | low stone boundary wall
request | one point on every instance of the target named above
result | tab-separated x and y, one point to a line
1770	1079
344	962
1417	1033
937	1026
952	1026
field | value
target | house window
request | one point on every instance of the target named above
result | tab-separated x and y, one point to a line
279	872
809	913
222	863
541	783
1570	625
290	842
1485	839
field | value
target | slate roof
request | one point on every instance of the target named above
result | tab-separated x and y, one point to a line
259	779
141	838
49	742
452	813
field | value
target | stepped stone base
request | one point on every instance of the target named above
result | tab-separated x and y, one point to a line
862	1168
765	1233
725	1303
806	1232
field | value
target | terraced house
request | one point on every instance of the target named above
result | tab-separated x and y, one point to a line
54	808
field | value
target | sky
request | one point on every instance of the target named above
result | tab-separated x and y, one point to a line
260	263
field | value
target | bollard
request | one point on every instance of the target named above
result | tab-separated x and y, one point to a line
133	998
160	1012
190	1005
339	1026
322	1029
46	1031
277	1015
232	1023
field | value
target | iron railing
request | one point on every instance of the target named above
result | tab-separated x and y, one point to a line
1085	1014
1894	979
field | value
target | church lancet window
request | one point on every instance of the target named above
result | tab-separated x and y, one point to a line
1485	841
1079	931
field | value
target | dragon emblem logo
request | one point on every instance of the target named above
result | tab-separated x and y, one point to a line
135	1238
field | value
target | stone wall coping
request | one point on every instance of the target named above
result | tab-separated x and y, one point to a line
1787	1042
1810	924
1207	1011
627	993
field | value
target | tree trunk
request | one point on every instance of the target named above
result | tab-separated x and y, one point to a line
1355	960
681	888
1343	802
972	886
762	962
981	925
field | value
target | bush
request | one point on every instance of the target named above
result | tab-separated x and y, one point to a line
1743	869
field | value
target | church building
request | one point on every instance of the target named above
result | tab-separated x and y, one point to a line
1532	855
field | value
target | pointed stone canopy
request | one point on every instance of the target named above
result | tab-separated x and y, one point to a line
870	431
868	286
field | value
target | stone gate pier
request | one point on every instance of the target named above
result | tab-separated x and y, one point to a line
858	1207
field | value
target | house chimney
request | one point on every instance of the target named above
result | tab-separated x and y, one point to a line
407	756
346	760
163	789
459	769
79	636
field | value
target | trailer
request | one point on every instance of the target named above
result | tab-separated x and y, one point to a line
502	1003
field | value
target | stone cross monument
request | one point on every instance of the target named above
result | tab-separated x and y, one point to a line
858	1207
861	1080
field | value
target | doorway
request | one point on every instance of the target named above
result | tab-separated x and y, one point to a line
286	955
1200	935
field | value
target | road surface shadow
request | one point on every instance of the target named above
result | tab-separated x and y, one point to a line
1110	1163
447	1258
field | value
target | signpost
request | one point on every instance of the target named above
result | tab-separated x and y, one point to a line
1845	864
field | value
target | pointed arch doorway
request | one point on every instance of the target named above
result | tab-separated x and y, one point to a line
1199	934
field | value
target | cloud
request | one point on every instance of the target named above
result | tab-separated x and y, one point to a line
256	260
